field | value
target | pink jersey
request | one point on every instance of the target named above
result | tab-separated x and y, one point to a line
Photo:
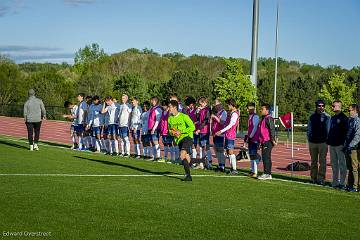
164	123
152	117
202	116
217	126
251	128
231	133
191	114
264	133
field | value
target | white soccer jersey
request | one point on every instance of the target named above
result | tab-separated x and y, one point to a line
82	109
95	116
113	113
144	122
135	118
124	114
73	112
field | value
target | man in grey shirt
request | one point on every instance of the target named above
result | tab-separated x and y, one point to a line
34	112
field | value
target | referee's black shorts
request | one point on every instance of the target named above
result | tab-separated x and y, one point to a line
186	144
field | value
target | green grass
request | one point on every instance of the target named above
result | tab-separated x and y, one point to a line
160	207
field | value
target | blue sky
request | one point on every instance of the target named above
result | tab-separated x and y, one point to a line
326	32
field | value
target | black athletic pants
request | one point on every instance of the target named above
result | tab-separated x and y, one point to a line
31	128
266	156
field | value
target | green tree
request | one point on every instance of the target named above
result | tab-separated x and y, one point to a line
233	83
11	87
132	84
51	87
192	83
337	89
88	55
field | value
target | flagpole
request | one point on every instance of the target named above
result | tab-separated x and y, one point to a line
292	143
254	48
276	57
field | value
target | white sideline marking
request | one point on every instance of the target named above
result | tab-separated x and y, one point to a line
124	175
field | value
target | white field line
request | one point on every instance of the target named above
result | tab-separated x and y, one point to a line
135	175
273	181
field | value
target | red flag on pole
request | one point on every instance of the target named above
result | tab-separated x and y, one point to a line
286	120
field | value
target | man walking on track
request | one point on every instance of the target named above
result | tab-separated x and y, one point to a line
34	112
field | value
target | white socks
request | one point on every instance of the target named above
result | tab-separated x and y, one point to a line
116	145
137	149
200	153
157	151
194	153
80	142
254	166
122	146
97	144
127	145
232	158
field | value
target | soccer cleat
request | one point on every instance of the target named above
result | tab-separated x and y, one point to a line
126	155
200	166
321	182
312	181
187	178
36	147
252	175
233	172
138	156
219	169
265	177
31	147
353	190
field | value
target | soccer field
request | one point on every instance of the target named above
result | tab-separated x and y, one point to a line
78	195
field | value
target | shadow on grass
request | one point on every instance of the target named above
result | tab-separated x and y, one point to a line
166	174
12	144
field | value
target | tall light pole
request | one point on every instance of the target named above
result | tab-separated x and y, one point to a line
275	112
254	48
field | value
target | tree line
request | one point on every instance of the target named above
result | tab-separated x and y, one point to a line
145	73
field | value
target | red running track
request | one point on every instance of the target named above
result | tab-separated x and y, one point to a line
58	131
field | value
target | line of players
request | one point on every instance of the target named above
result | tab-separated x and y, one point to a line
104	126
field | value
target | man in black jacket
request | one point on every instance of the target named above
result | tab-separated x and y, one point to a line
317	133
352	148
336	140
